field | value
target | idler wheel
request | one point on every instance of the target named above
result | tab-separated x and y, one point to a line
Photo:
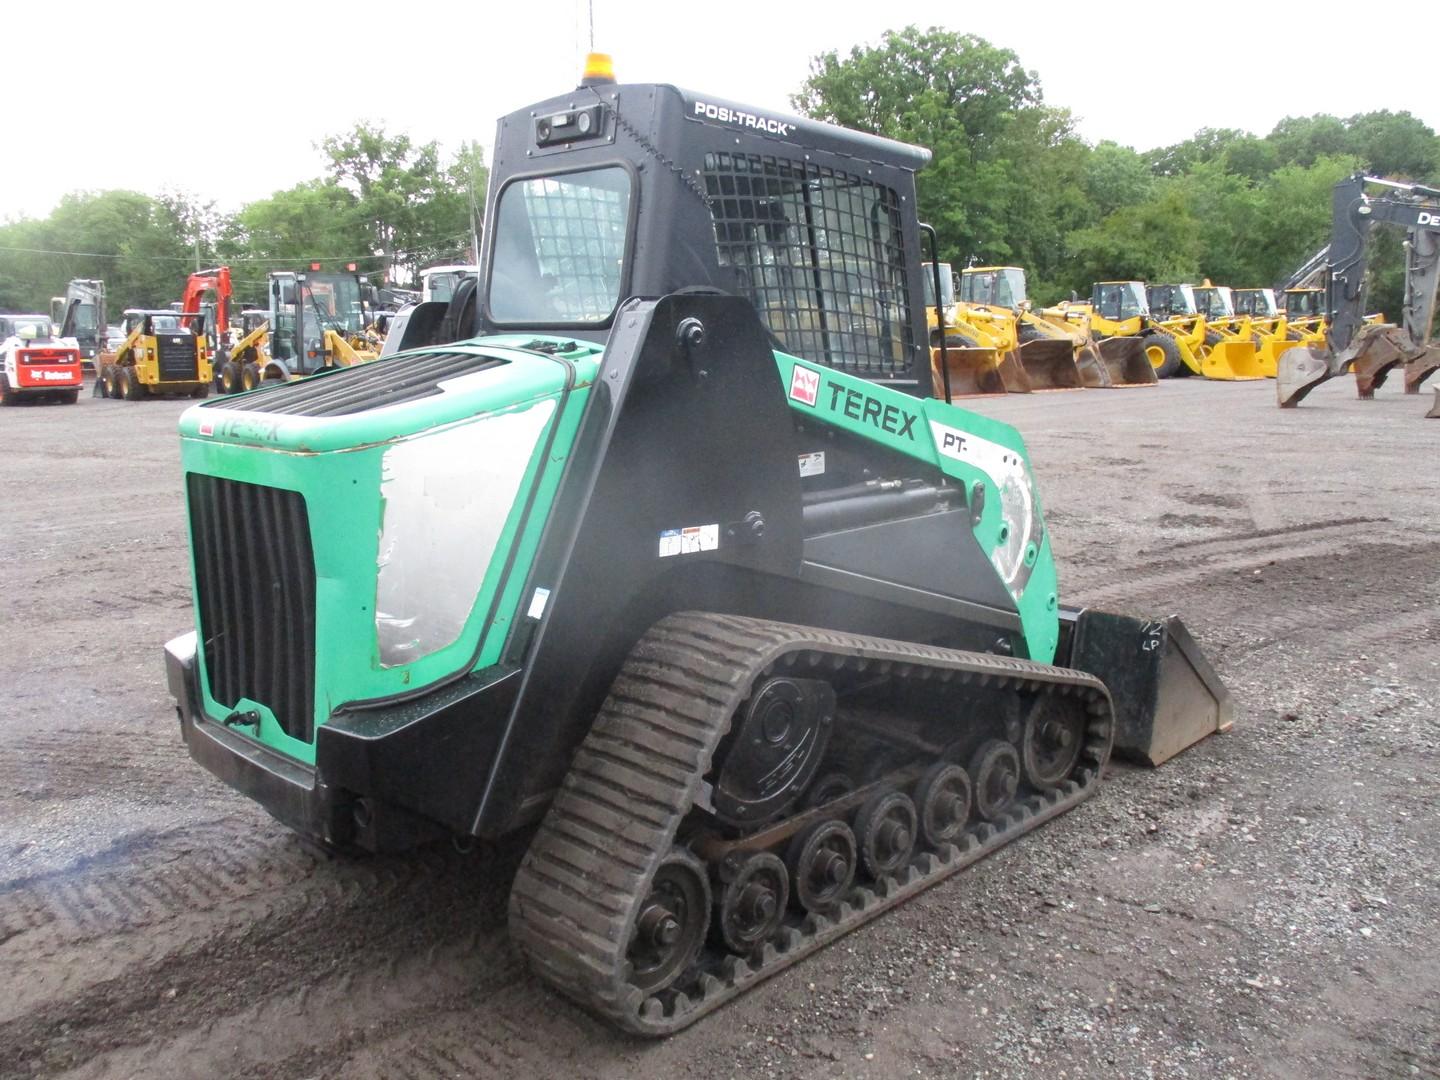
885	828
942	800
752	903
821	861
670	923
778	739
828	787
994	778
1054	736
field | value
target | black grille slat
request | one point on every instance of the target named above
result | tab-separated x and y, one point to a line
178	362
255	575
367	386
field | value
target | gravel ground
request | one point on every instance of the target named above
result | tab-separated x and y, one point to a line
1262	906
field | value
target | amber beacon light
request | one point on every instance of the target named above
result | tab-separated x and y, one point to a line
599	70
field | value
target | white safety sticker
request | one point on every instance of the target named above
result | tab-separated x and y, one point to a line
689	540
985	455
812	464
1006	469
537	603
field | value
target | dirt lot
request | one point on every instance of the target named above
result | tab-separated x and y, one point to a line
1264	906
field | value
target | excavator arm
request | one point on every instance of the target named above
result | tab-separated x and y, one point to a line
1371	350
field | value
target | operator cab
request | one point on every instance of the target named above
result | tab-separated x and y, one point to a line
1303	303
154	321
1214	302
438	283
1171	301
1120	300
947	285
26	327
640	190
1257	303
303	307
994	286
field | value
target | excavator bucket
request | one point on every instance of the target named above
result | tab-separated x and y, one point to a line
1300	370
1377	349
1049	364
1268	351
1434	413
1420	368
1166	694
975	371
1125	363
1379	353
1232	360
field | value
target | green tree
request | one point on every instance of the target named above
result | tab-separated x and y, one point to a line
138	244
1160	239
1394	145
1116	176
981	114
409	202
317	219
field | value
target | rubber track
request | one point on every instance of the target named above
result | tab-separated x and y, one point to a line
639	771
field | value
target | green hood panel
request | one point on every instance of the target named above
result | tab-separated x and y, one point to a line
518	375
424	516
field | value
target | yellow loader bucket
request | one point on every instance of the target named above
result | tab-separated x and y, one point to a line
975	371
1049	364
1268	352
1125	362
1231	360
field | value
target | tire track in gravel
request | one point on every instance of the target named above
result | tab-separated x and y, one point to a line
76	930
317	953
1192	564
66	763
1314	598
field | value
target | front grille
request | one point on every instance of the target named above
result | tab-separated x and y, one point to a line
178	361
366	386
255	579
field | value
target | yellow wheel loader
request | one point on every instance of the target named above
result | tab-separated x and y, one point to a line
1270	327
997	295
1120	310
974	359
1228	349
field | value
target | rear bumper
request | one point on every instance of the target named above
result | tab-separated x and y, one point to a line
287	789
385	778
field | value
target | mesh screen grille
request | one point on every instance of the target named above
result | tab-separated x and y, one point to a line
820	253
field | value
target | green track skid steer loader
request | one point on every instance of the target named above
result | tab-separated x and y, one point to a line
670	554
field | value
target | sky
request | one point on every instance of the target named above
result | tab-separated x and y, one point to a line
233	113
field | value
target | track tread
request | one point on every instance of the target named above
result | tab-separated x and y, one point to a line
638	773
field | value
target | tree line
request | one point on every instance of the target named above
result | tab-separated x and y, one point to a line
1010	182
383	202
